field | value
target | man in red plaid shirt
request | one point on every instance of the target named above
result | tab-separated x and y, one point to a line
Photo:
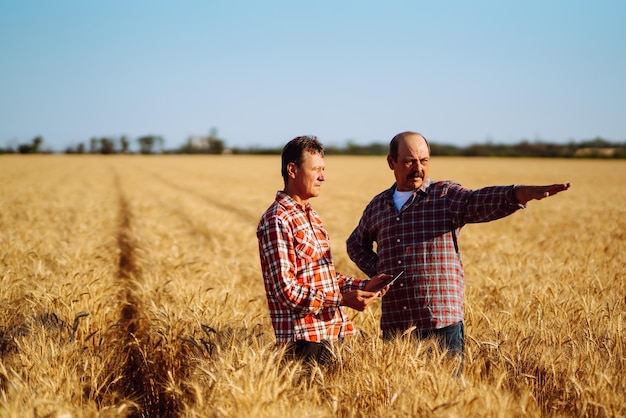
305	295
415	225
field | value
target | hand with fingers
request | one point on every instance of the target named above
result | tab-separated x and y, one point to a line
524	194
358	299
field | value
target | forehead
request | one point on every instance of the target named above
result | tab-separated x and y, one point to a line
413	145
311	159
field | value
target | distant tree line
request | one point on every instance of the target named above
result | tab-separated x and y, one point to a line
595	148
148	144
33	147
212	144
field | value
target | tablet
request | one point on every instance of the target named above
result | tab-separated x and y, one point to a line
388	282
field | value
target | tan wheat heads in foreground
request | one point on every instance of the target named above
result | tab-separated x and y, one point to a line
131	287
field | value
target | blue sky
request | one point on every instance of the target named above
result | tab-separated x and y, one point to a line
263	72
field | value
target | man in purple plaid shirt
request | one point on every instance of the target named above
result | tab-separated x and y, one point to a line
415	225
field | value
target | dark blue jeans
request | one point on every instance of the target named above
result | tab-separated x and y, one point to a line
451	338
311	352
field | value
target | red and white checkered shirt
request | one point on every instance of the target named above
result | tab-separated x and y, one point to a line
421	239
303	290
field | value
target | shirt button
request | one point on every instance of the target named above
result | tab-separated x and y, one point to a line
401	284
399	261
404	307
398	218
398	240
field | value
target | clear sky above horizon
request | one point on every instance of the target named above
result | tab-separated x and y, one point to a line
263	72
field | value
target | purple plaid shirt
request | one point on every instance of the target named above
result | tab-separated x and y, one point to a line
421	239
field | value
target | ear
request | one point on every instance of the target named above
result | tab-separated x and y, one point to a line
390	161
291	170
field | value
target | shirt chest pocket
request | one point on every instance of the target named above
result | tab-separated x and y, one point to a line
308	247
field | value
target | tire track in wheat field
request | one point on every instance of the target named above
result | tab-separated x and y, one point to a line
244	215
143	369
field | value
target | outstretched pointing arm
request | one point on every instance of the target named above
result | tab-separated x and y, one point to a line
524	194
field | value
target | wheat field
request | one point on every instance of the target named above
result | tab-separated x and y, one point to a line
131	286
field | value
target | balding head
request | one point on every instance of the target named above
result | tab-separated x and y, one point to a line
398	139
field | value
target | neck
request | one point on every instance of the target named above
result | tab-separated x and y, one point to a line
295	196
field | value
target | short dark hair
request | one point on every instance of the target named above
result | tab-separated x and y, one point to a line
293	152
395	143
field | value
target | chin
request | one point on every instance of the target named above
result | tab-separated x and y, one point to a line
413	185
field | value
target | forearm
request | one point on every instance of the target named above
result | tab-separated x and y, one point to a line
482	205
305	299
347	283
362	254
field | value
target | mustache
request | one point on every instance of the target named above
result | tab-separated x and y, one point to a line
415	175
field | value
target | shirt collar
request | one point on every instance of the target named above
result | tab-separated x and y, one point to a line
421	190
289	203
